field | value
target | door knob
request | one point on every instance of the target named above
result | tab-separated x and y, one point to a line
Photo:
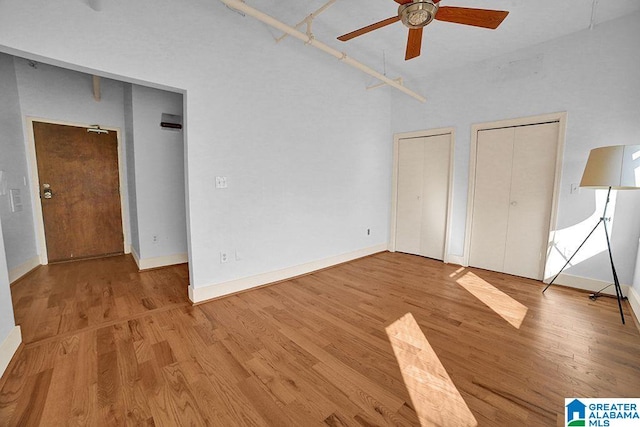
46	191
514	203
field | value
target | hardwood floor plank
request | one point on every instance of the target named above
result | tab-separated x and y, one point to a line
266	404
105	344
84	396
176	400
30	405
62	380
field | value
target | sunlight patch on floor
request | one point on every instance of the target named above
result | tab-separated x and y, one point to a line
506	307
458	271
435	398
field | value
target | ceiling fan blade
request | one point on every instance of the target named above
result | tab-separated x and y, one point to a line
404	1
414	43
369	28
476	17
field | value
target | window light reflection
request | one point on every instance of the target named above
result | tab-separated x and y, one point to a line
506	307
568	239
435	398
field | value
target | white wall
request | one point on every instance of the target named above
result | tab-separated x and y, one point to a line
593	76
20	239
7	322
55	93
158	157
636	275
307	151
131	169
10	336
19	235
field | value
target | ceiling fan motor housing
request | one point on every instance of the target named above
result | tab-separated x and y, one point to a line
418	13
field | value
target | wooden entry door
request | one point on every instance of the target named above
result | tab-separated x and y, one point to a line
79	191
422	195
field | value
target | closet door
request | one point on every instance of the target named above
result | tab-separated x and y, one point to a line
423	189
409	204
515	172
494	155
534	163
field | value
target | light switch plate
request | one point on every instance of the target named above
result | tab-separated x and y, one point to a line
16	200
221	182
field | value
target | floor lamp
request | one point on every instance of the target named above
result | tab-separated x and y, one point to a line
616	167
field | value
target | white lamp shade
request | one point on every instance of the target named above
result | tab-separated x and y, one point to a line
617	166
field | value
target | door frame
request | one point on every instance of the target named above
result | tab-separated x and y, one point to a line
41	241
561	118
394	182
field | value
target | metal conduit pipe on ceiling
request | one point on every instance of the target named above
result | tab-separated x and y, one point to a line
269	20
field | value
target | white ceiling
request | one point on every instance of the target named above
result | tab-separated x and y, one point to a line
444	45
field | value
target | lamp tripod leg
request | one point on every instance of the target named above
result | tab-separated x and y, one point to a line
616	282
574	254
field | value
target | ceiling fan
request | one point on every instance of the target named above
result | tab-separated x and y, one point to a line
416	14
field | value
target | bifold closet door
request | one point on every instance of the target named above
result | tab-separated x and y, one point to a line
534	161
513	191
494	155
422	195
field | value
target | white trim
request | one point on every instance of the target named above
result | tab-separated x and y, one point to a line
216	290
588	284
24	268
454	259
394	183
35	184
8	348
136	257
634	302
160	261
561	118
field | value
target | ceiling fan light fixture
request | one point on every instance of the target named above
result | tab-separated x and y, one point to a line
418	13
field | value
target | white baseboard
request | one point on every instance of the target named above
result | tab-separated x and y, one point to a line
24	268
454	259
136	257
216	290
8	348
160	261
588	284
634	301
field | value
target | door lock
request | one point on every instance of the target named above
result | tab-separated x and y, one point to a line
46	191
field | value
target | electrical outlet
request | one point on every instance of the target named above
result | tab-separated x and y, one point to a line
155	238
221	182
368	232
224	257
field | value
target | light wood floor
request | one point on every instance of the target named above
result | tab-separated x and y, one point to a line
391	339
